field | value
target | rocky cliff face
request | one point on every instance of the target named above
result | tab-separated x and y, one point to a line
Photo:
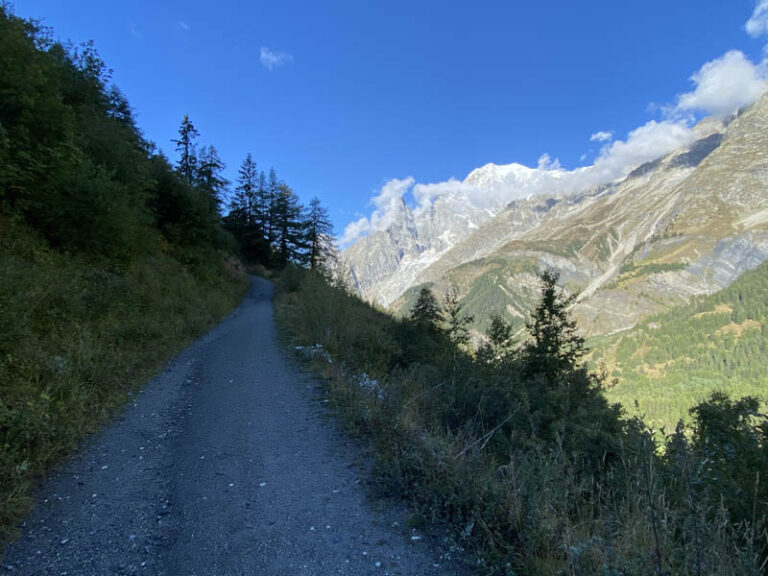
386	263
688	223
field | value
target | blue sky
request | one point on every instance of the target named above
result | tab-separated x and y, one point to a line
342	97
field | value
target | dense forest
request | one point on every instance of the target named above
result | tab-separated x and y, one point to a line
716	342
516	447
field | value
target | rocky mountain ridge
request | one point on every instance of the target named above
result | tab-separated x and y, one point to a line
688	223
384	264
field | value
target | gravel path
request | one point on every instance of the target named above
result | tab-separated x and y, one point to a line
224	465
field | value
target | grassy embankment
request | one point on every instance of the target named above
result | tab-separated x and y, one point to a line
111	259
78	339
521	456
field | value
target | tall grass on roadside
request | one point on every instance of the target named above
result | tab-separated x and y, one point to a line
78	338
464	442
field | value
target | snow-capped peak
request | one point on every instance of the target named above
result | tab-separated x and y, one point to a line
494	174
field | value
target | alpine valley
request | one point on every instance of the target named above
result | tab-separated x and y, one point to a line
657	257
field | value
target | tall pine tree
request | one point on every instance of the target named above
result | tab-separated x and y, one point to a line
289	227
320	244
210	179
245	191
272	192
555	347
426	310
185	146
246	218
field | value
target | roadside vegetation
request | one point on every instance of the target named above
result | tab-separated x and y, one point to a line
517	448
111	257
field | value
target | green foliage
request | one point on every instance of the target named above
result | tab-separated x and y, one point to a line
79	338
426	311
210	181
273	228
457	322
717	467
110	259
75	165
524	457
556	346
321	246
673	361
290	228
499	344
250	213
185	146
730	438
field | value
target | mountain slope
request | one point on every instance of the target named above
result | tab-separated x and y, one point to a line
670	362
688	223
385	263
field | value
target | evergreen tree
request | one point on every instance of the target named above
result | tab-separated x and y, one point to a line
426	311
565	403
272	192
319	237
458	330
245	219
458	324
263	204
246	190
555	347
119	108
499	342
289	227
210	179
185	146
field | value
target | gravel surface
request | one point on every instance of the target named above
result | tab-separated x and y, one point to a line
224	465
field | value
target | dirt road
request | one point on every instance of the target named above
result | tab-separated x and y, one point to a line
224	465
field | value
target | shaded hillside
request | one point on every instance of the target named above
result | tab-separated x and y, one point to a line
519	451
110	260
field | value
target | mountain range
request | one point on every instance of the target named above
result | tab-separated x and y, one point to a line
685	224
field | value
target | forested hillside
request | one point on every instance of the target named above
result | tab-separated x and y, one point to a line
111	256
716	343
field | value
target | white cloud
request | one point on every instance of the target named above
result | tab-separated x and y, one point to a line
616	160
546	163
648	142
134	31
724	85
272	59
721	87
758	23
602	136
425	194
387	204
184	26
355	230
